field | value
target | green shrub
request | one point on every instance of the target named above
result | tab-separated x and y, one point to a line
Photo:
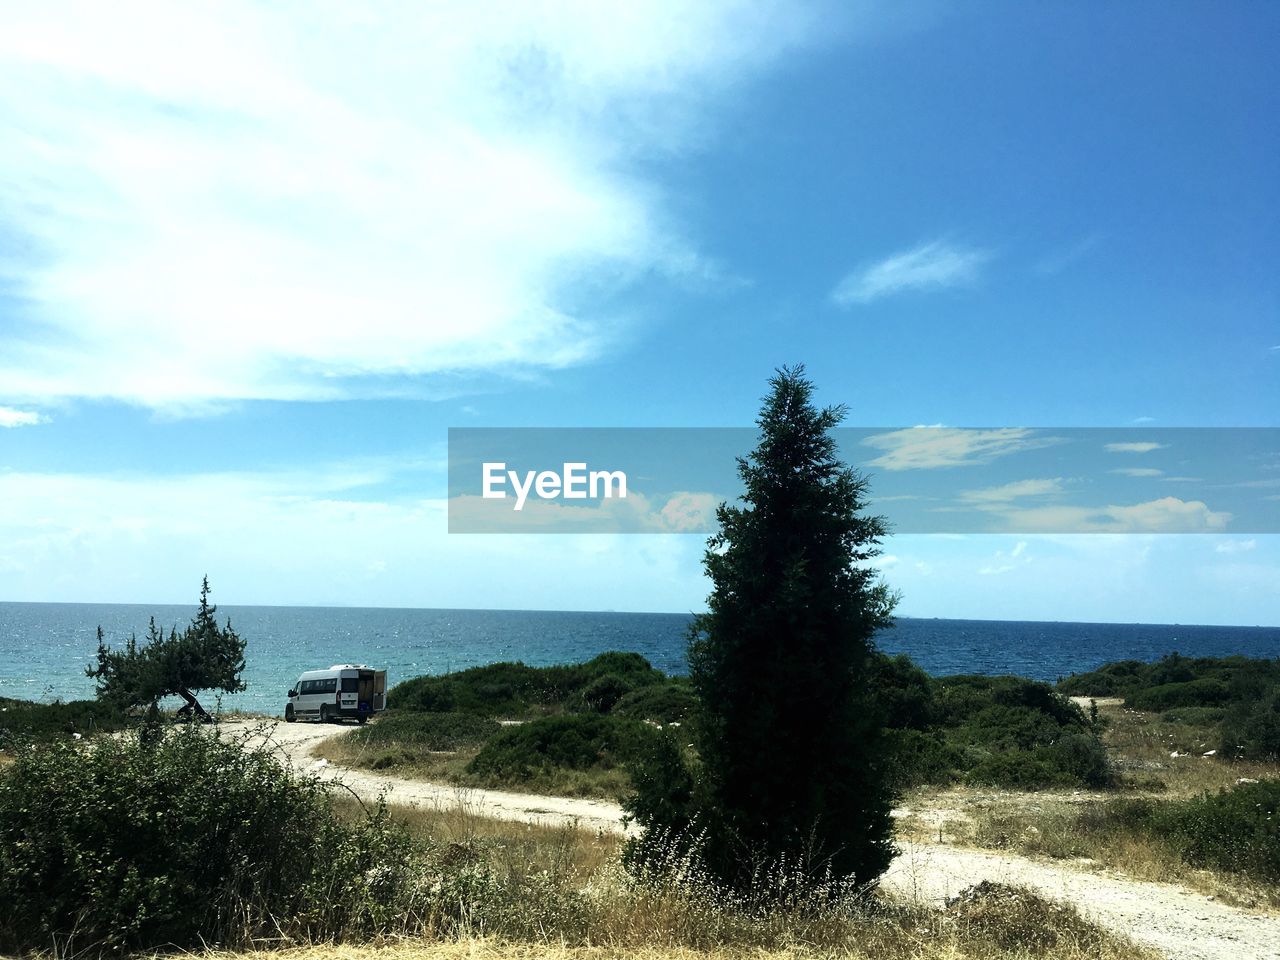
1205	692
670	702
1244	678
188	840
1110	680
22	721
1014	732
906	693
921	757
602	693
516	690
570	742
1251	730
1237	829
425	731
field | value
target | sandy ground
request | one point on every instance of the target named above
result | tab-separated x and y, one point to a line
1179	923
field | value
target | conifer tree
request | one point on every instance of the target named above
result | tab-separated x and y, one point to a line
791	766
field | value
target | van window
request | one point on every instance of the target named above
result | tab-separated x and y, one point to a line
350	684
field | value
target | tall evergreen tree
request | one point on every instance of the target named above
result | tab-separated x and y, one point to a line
789	738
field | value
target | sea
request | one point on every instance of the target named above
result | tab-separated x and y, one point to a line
45	647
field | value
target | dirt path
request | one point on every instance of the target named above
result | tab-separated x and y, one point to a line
1179	923
296	741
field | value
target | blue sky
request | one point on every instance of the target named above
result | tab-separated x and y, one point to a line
255	260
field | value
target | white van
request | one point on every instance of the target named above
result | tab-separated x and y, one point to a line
344	690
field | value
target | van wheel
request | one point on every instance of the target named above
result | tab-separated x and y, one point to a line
288	714
362	720
324	713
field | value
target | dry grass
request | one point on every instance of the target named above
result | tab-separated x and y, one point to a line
1142	747
1007	926
591	909
559	850
450	766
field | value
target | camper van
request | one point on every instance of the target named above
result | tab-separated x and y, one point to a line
345	690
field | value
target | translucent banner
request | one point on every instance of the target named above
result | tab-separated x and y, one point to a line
955	480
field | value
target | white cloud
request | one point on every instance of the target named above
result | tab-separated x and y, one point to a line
1164	515
1236	546
10	417
1012	491
927	448
1140	446
683	512
244	200
931	266
1138	472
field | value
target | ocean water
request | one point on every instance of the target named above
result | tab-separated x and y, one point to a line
45	647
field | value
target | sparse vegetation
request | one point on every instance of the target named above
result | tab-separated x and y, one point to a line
1240	696
116	848
22	721
1178	812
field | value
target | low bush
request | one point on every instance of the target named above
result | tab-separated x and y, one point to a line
424	731
1019	733
1236	829
1073	760
515	690
569	742
22	721
907	694
1205	692
185	840
922	757
1251	729
1234	679
671	702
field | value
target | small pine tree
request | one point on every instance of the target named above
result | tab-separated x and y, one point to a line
203	657
791	766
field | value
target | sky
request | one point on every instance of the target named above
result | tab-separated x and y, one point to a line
257	259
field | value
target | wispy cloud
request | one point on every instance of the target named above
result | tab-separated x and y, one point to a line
931	266
1013	491
1164	515
1137	472
1236	546
252	200
928	448
10	417
1139	446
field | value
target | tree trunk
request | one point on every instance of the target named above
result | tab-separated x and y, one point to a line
193	708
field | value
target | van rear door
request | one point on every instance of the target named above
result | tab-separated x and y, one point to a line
379	690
